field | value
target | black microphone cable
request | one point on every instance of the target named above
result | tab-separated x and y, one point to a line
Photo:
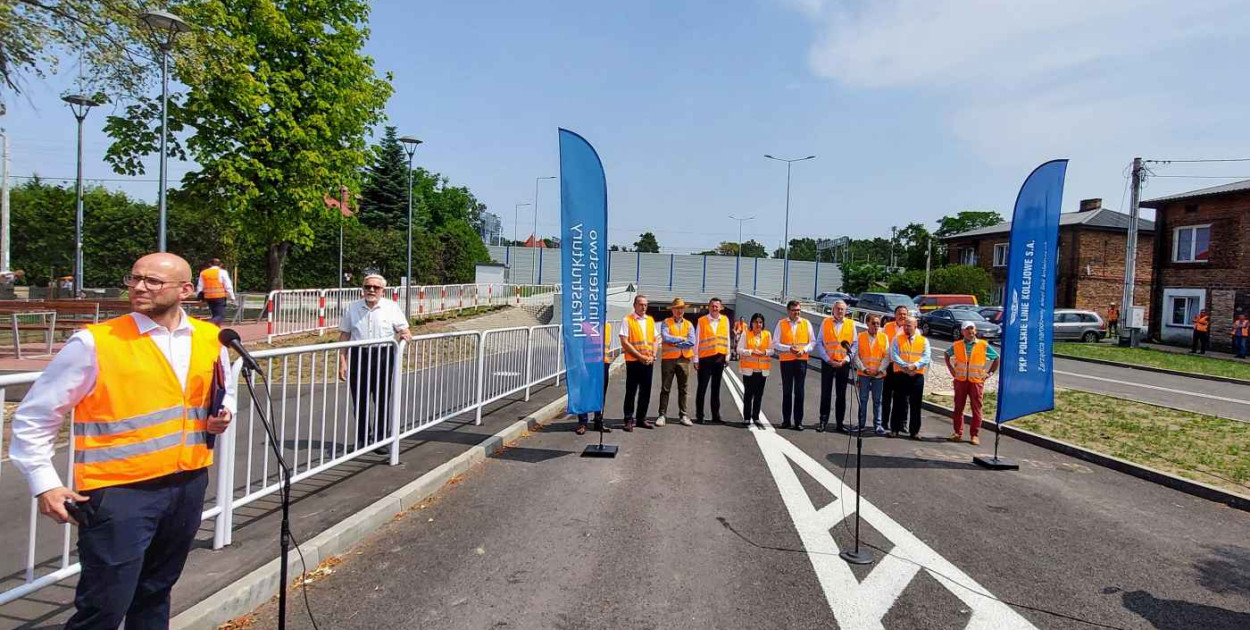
283	488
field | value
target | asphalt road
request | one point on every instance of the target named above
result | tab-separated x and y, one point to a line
1198	395
724	527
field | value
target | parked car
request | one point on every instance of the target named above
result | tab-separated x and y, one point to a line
883	304
992	313
947	323
829	297
934	301
1075	325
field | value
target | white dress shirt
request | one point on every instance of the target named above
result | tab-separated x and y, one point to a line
69	378
380	322
222	275
798	347
642	321
820	337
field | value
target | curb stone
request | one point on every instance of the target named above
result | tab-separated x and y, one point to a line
1188	486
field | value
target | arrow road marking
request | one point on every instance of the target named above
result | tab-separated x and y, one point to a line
863	605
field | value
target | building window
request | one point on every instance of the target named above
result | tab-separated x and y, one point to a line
968	256
1000	255
1191	243
1182	309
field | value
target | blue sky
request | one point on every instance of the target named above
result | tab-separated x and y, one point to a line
915	109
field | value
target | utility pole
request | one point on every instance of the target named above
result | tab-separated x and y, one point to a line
928	257
738	259
893	237
4	202
1130	254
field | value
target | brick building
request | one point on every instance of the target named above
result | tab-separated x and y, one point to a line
1202	260
1092	243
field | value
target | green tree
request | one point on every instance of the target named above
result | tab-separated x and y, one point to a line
963	279
647	243
858	277
910	282
462	251
279	103
384	196
966	220
750	249
912	246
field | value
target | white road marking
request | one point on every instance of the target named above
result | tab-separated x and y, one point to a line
862	605
1156	388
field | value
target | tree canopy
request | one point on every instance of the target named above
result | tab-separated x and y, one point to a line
966	220
647	243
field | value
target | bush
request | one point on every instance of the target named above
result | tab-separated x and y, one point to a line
963	279
908	282
860	277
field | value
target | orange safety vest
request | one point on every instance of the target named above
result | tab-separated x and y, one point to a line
975	370
641	337
750	363
872	353
711	342
1202	323
791	337
892	329
1113	314
833	340
137	422
739	326
671	351
607	342
911	350
1241	329
214	288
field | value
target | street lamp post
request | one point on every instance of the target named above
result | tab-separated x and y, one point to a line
738	261
534	277
165	28
785	273
79	105
516	215
410	147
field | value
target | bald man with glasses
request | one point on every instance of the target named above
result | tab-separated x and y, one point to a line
368	368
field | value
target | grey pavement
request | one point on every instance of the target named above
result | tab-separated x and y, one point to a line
723	527
1226	400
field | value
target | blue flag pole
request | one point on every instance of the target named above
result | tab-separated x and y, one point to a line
1026	382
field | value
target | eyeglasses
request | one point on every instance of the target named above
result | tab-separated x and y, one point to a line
152	284
373	287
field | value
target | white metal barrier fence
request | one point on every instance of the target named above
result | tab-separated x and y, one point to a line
323	416
297	311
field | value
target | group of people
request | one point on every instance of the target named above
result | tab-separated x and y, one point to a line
887	364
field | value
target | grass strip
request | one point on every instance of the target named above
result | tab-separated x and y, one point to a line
1147	357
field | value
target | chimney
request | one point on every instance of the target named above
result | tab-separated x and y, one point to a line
1089	205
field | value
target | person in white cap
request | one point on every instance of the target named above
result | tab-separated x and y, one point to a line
971	362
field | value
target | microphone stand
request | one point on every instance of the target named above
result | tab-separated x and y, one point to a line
859	556
284	544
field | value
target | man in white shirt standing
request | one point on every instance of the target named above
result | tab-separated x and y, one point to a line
369	369
833	344
142	388
641	345
215	287
793	340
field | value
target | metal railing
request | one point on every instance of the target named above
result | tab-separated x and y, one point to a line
392	390
302	311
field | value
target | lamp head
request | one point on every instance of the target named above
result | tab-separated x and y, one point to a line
165	27
79	104
410	145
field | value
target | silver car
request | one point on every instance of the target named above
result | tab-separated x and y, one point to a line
1075	325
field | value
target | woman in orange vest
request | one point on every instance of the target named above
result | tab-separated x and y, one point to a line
754	350
140	387
871	354
607	364
1202	333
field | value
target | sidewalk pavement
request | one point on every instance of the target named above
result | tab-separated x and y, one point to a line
1185	350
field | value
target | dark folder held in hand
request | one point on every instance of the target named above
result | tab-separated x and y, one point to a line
216	397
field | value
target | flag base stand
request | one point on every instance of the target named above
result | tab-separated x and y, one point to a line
600	450
862	556
994	462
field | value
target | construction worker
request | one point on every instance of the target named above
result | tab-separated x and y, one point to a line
641	346
607	364
971	362
891	329
870	354
909	352
214	288
833	345
754	350
140	387
1202	333
710	360
677	336
1241	335
1113	320
793	340
739	327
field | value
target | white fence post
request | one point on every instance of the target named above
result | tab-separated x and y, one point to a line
481	373
397	392
529	361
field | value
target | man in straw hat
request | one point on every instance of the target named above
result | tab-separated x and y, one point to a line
676	353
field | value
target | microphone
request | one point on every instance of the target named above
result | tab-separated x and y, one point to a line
229	338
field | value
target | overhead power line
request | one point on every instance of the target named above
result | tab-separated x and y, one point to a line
1198	161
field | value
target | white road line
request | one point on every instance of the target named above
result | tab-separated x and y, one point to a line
863	605
1156	388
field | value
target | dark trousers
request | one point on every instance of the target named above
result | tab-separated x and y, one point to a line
833	381
1202	342
217	310
793	377
753	384
887	395
637	389
711	371
1113	328
1240	345
581	417
908	391
134	550
369	371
